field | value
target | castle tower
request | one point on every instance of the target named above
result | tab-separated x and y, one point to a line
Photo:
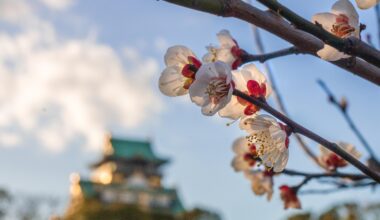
129	172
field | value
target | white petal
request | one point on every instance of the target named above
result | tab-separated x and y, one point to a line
233	109
257	123
239	164
331	54
345	7
225	39
281	162
325	19
349	148
171	82
198	92
240	146
225	55
365	4
212	108
251	72
177	55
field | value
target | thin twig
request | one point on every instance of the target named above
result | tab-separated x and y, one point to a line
377	10
297	128
351	45
325	175
337	189
343	109
264	57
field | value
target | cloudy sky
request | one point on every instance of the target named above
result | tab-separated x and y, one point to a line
73	70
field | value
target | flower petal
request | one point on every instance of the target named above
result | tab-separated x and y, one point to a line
240	146
365	4
171	82
325	19
331	54
233	110
345	7
177	55
225	39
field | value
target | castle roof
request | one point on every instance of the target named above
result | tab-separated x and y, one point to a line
127	150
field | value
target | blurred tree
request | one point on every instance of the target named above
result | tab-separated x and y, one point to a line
347	211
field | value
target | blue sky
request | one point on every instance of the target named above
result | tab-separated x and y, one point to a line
72	70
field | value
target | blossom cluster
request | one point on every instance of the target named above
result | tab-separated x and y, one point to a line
211	81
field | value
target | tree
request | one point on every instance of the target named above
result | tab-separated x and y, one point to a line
224	83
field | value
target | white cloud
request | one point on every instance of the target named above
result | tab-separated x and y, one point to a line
58	4
56	91
14	11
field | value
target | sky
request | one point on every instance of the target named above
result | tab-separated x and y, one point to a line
72	71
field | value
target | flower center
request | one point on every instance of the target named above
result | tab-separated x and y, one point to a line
335	161
217	89
341	28
189	70
256	90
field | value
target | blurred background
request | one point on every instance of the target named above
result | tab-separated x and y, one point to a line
76	73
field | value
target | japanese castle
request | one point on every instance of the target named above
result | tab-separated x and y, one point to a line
129	172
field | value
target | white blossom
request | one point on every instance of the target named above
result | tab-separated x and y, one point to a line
228	51
270	138
252	82
212	88
343	22
179	74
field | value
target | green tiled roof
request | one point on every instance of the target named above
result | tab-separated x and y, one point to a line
88	188
129	149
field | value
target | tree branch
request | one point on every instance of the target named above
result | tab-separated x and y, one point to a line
297	128
323	175
264	57
352	46
333	100
340	187
305	42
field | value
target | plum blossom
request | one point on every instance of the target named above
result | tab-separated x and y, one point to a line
289	197
343	22
228	51
212	88
246	155
252	82
332	161
365	4
179	74
261	182
270	138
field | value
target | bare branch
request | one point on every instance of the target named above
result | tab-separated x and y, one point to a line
271	22
297	128
333	100
324	175
264	57
351	45
340	187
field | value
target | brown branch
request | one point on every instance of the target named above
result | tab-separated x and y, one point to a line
271	22
339	187
297	128
352	46
324	175
267	56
